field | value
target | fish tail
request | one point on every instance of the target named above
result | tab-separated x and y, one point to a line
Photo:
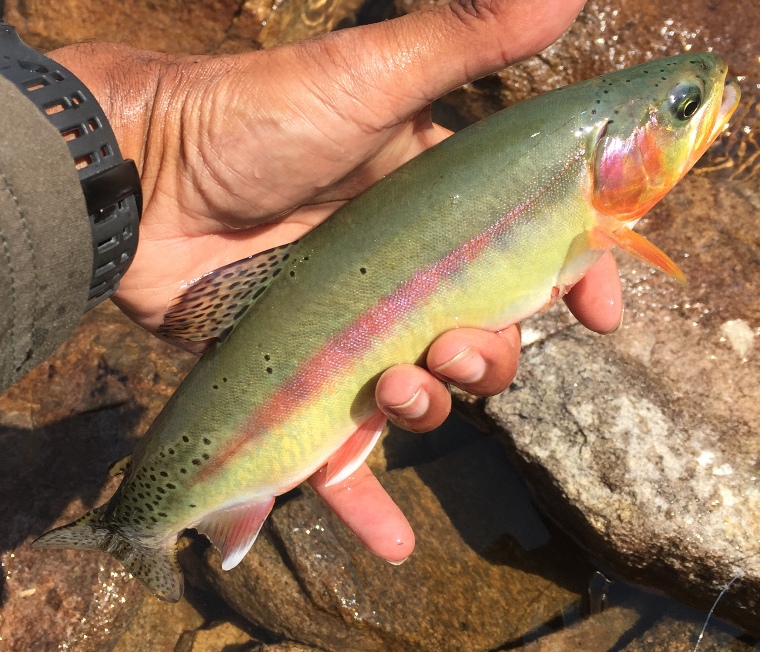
156	567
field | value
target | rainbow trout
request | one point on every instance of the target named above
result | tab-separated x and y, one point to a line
482	230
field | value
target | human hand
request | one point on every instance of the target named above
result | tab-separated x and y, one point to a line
242	153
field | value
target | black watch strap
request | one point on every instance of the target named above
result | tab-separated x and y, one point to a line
111	185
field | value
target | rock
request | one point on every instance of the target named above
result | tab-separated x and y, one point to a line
645	444
596	634
60	428
308	579
613	35
175	26
159	626
220	636
670	633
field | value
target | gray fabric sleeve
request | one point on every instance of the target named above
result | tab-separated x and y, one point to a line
45	238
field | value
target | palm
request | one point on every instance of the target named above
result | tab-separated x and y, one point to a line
276	184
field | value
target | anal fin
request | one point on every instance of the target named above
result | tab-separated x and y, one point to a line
211	305
354	451
639	247
233	530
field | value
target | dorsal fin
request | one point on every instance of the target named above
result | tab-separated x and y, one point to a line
209	306
234	529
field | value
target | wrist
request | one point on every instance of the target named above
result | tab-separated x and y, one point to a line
110	185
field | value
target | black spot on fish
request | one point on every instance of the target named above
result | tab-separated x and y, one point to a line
141	495
183	470
224	380
197	462
164	474
169	485
206	441
162	515
161	490
205	456
363	270
171	451
153	477
185	438
192	506
150	507
266	357
292	273
269	370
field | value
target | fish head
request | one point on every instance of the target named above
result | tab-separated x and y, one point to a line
660	117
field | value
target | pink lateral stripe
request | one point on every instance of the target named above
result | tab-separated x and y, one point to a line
359	336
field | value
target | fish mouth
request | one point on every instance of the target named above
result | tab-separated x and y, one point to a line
728	104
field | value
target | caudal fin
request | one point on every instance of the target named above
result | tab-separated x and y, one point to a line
156	568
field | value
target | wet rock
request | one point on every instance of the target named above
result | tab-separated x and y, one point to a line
60	428
165	25
158	626
669	633
610	35
597	634
474	582
645	445
175	26
220	636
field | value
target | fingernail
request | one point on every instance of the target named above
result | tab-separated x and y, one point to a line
397	563
415	407
466	367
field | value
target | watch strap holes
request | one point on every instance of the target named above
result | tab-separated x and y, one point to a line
71	134
105	215
93	124
36	84
107	245
33	67
84	161
106	151
55	107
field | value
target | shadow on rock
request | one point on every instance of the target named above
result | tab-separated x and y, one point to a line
44	470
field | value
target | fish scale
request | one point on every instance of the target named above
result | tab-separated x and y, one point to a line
482	230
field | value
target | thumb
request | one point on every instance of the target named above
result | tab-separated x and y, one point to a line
417	58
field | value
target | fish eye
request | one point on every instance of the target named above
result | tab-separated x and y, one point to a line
685	100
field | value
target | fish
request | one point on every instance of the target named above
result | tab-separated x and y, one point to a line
483	230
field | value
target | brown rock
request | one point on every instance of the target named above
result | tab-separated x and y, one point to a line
220	636
599	633
175	26
60	428
164	25
158	626
673	634
613	35
308	579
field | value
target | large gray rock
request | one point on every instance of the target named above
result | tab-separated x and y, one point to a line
645	445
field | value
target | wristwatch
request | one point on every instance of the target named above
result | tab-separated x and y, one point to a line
111	185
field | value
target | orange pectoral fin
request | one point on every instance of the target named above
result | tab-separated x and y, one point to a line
638	246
